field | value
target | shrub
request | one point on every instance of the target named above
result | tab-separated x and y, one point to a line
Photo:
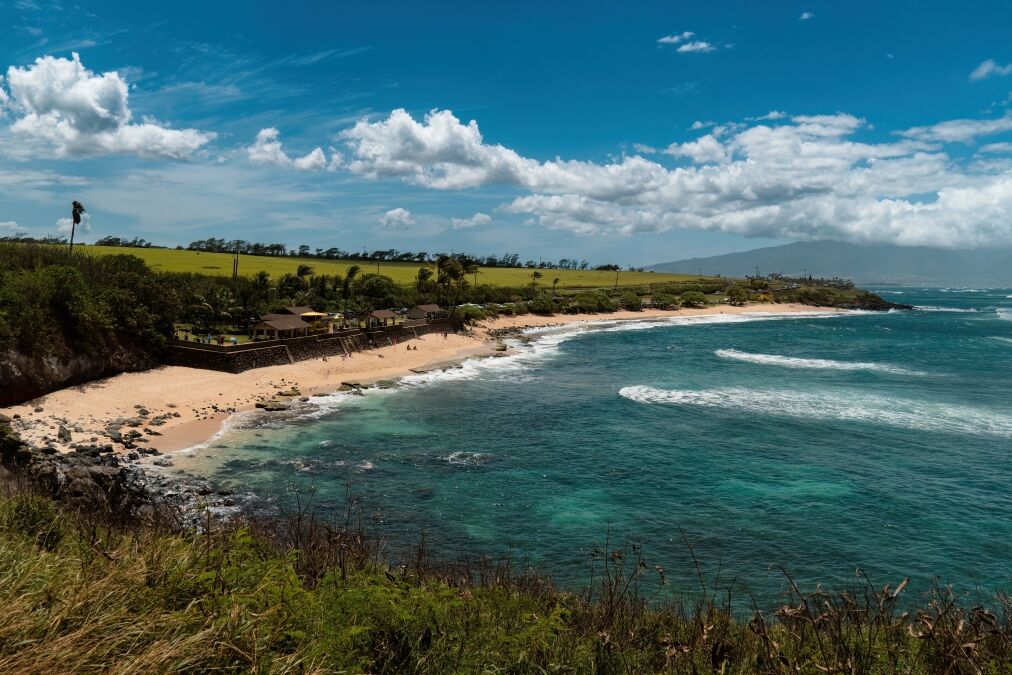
35	519
541	304
469	313
693	299
737	295
665	301
631	301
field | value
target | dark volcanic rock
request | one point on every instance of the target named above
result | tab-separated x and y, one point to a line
62	365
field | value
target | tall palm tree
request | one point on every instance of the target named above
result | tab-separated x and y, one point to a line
76	209
422	278
472	268
535	275
346	284
555	283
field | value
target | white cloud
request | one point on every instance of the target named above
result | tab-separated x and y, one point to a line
675	38
803	177
396	219
59	102
988	69
1004	147
267	150
8	225
959	131
314	161
702	150
700	46
63	225
805	16
477	219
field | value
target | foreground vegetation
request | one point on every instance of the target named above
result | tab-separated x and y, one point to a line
292	595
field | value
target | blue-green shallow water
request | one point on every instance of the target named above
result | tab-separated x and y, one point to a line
878	441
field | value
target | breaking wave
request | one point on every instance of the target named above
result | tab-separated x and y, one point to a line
820	364
843	406
932	308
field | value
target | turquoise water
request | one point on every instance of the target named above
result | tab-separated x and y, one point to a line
877	442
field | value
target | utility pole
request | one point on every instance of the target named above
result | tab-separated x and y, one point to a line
616	279
757	271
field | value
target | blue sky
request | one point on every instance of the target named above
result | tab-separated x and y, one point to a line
627	132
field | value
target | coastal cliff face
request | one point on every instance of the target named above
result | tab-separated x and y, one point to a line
26	376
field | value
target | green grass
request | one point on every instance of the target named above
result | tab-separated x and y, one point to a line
220	264
293	596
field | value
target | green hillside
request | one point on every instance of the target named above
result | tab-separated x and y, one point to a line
220	264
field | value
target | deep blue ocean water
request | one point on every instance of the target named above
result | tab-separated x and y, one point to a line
879	442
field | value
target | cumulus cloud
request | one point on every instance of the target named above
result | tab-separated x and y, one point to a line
703	150
960	131
64	225
477	219
60	102
267	150
396	219
700	46
800	177
805	16
8	225
686	45
675	38
990	69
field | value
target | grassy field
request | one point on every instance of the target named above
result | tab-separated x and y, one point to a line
171	260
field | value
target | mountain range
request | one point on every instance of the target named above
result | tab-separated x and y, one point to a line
867	265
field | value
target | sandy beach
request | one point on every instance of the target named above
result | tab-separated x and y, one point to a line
172	407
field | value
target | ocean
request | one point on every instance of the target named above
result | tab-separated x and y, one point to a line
836	447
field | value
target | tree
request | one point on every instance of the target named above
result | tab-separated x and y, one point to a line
76	209
422	278
303	271
737	295
693	299
346	284
631	301
541	304
535	275
555	283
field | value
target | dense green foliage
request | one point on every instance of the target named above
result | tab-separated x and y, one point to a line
50	299
294	596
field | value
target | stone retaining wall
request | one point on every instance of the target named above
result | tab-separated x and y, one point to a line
240	358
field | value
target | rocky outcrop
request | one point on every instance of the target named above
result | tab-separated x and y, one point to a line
28	376
94	480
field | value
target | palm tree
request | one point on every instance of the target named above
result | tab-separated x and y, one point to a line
535	275
77	208
346	284
451	273
472	268
422	278
555	283
303	271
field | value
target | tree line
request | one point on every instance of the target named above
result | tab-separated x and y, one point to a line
243	247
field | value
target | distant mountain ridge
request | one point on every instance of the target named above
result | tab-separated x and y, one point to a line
868	265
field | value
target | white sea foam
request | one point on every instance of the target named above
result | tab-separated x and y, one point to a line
843	405
1003	340
1005	314
933	308
545	344
820	364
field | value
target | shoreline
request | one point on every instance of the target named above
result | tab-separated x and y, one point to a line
173	408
